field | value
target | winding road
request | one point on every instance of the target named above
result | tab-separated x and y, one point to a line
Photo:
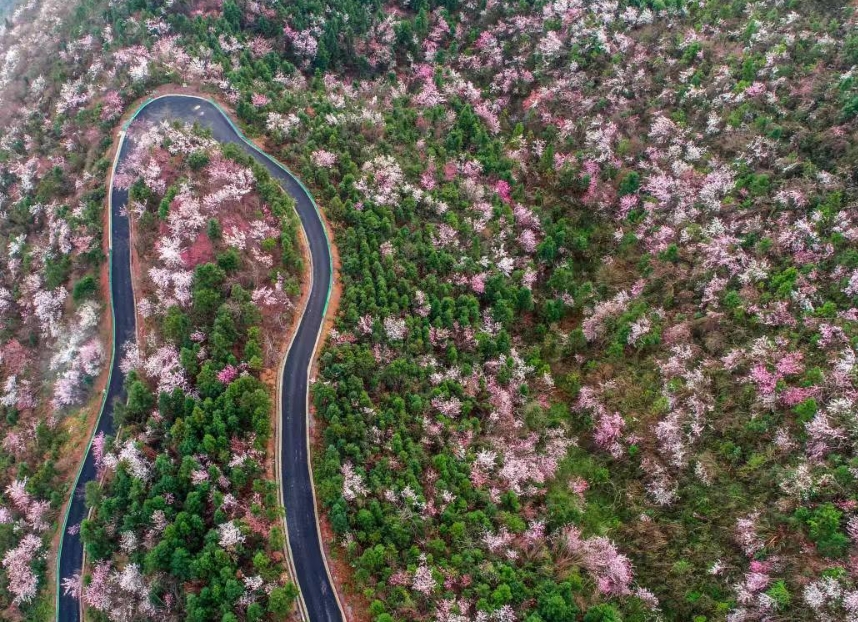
318	600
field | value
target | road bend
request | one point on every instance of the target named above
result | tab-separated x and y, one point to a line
319	598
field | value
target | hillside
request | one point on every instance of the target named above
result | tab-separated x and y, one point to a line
594	357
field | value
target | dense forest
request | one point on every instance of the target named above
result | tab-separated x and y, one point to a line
595	352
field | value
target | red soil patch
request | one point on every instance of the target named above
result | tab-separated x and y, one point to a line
15	357
201	251
230	219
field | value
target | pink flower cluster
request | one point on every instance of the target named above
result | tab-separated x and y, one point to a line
612	569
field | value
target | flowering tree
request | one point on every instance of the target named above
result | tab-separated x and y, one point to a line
23	582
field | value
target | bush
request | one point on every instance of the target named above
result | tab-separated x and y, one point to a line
57	270
281	599
197	160
229	260
213	230
779	593
824	529
85	288
602	613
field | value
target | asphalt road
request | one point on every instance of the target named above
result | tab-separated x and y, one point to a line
295	477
